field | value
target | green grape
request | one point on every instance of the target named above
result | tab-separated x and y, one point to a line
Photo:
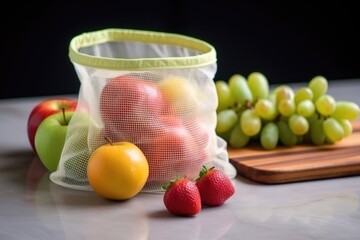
317	135
305	108
325	105
269	136
333	130
346	110
225	99
266	109
259	85
303	93
298	124
347	126
250	122
286	136
286	107
226	120
240	89
280	115
238	138
284	92
318	86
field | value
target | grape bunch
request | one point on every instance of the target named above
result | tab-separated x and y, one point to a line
249	110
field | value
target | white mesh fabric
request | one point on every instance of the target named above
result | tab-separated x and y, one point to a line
170	114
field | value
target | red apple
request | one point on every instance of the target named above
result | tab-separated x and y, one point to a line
172	153
129	107
200	131
44	109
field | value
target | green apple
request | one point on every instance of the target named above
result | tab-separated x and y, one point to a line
50	138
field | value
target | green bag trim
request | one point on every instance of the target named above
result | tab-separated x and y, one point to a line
207	53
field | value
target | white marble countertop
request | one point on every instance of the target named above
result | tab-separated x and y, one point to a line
32	207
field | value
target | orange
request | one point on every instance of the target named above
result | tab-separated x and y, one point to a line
117	171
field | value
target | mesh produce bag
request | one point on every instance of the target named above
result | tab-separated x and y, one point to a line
153	89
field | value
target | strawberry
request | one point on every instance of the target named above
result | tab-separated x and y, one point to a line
182	197
215	186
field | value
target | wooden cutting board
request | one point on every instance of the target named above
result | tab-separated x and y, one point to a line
299	163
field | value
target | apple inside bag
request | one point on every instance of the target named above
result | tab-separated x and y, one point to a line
150	89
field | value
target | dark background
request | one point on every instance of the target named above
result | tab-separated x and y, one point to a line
287	41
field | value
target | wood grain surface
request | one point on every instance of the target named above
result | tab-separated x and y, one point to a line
299	163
